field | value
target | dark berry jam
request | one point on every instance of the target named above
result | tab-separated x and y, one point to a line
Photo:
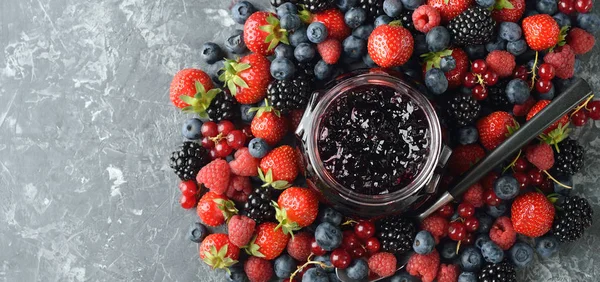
373	140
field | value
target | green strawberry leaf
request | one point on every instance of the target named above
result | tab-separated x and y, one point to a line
503	4
280	184
187	99
240	82
241	67
232	88
272	20
446	2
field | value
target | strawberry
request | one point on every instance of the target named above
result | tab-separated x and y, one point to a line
296	208
532	214
541	156
240	230
449	9
383	264
299	247
258	270
464	157
244	164
215	176
214	209
563	61
390	45
333	19
541	31
508	10
278	168
268	124
455	76
248	78
330	50
262	33
188	84
269	241
522	110
239	188
563	121
217	251
580	41
495	128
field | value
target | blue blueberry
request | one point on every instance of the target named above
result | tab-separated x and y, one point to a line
236	274
481	240
323	71
485	222
548	95
475	52
383	19
355	17
328	214
282	68
392	8
363	31
412	4
290	22
367	60
317	32
468	135
245	113
517	91
517	48
345	5
438	39
284	265
447	63
424	242
420	45
298	36
506	187
287	8
197	232
510	31
496	211
521	254
258	148
326	260
485	3
468	277
305	52
241	11
328	236
211	52
284	51
215	70
358	270
496	44
590	22
354	47
566	180
191	129
471	259
436	81
491	252
448	250
546	246
315	274
562	19
235	43
403	277
546	6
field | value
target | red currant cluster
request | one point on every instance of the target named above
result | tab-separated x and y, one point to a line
222	138
463	228
189	194
356	243
569	7
589	110
480	77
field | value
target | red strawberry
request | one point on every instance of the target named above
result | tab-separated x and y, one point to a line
456	75
448	273
424	266
239	188
464	157
244	164
449	9
563	61
278	168
258	270
541	31
333	19
214	209
330	50
532	214
494	129
269	241
541	156
508	10
184	84
262	33
269	125
248	78
240	230
522	110
580	41
563	121
296	208
502	233
215	176
217	251
299	247
383	264
390	45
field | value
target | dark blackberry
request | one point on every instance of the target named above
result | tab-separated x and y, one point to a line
315	6
569	157
574	216
407	22
374	8
463	109
222	107
474	26
395	234
289	94
498	272
258	206
497	96
306	70
188	160
277	3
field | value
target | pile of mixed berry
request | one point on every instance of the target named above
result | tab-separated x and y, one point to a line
487	65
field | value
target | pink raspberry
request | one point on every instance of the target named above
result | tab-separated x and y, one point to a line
522	110
425	18
580	41
258	269
215	176
501	62
541	156
383	264
244	164
239	188
448	273
503	233
437	226
474	195
299	246
424	266
563	61
240	230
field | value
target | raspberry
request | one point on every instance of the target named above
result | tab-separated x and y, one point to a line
244	164
330	50
580	41
448	273
541	156
383	264
258	270
437	226
424	266
503	233
299	246
240	229
563	61
522	110
239	189
501	62
215	176
425	18
474	195
295	117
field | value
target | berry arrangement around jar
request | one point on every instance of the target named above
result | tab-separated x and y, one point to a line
488	66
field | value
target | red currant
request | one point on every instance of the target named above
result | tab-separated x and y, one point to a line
470	80
488	180
207	143
472	224
364	229
316	249
468	240
236	139
188	202
213	154
594	110
579	118
535	177
358	252
543	86
566	6
466	210
225	127
372	244
583	6
209	129
521	164
547	186
490	78
188	188
521	73
457	231
546	71
248	132
223	149
446	211
522	178
480	92
340	258
479	66
349	240
490	198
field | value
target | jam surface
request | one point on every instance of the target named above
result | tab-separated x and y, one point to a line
373	140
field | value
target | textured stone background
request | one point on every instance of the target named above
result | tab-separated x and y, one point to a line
86	127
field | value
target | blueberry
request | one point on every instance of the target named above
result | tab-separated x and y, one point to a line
517	91
328	214
305	52
326	260
546	246
517	47
438	39
358	270
197	232
548	95
481	240
241	11
471	259
420	45
521	254
510	31
246	114
392	8
287	8
383	19
403	277
298	36
447	63
315	274
323	70
485	3
211	52
448	250
475	52
491	252
497	44
562	19
496	211
423	243
355	17
468	135
546	6
328	236
506	187
590	22
566	180
258	148
236	274
367	60
235	43
354	47
345	5
191	129
282	68
436	81
290	22
467	277
485	222
363	31
316	32
284	51
284	265
412	4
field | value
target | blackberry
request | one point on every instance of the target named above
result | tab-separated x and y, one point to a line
569	157
315	6
474	26
374	8
277	3
574	216
188	160
395	234
497	96
498	272
306	70
289	94
222	107
407	22
463	109
258	206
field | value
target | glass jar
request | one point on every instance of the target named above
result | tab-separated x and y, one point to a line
347	200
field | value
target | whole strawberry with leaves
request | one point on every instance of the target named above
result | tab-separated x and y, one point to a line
268	124
449	9
218	252
541	31
247	78
269	241
532	214
214	209
279	167
296	207
390	45
495	128
192	90
262	33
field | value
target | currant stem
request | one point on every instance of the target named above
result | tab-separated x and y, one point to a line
556	181
512	164
584	105
533	72
309	262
